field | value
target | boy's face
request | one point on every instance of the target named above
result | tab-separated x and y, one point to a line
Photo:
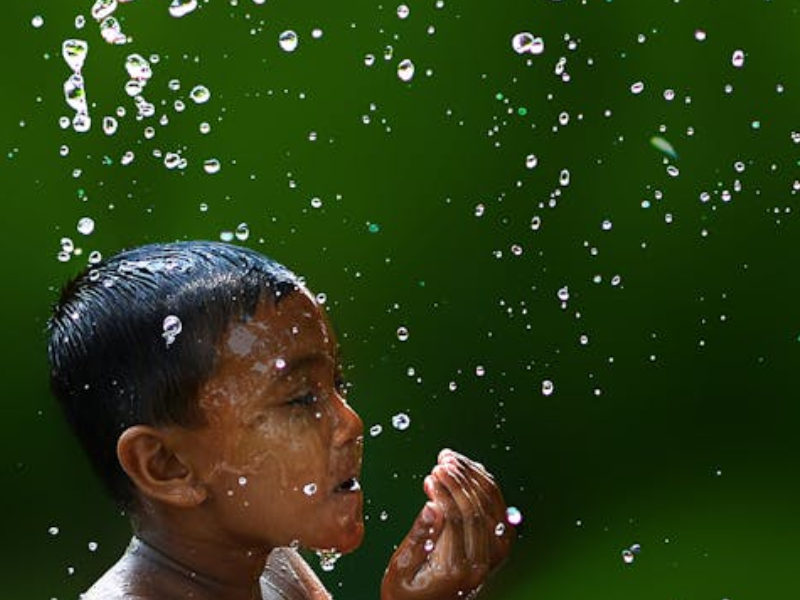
281	454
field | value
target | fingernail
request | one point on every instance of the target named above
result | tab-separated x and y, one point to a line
428	514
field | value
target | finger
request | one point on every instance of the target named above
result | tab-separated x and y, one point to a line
500	534
486	481
467	496
475	540
413	550
450	550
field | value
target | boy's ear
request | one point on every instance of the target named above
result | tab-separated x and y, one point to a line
147	456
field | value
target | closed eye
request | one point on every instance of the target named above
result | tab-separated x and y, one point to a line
304	400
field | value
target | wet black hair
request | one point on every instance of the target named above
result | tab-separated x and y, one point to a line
133	338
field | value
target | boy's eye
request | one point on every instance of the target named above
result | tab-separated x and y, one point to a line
304	400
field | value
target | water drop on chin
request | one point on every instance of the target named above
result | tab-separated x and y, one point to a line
327	559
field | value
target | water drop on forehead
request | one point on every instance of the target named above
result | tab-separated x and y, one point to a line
288	40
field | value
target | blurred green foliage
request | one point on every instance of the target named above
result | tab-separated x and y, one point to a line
673	421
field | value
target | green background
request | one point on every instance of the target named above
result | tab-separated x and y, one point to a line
673	427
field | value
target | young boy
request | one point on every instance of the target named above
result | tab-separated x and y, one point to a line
202	380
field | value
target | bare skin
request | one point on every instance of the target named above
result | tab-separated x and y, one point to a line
277	464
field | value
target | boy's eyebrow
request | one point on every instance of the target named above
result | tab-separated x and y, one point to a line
301	362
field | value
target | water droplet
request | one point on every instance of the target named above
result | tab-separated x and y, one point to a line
95	257
310	489
403	11
109	125
138	68
607	225
172	328
405	70
53	530
699	35
288	40
200	94
531	161
80	21
402	333
103	8
429	546
242	232
127	158
74	53
547	388
563	293
401	421
316	33
327	559
637	88
85	225
383	516
172	160
525	42
737	59
92	546
513	516
480	371
673	171
636	548
75	94
37	21
111	31
180	8
204	127
564	178
500	529
536	223
375	430
369	60
661	144
627	556
211	166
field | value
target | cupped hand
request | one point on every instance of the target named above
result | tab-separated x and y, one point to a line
458	538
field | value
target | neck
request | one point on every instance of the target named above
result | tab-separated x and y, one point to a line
206	567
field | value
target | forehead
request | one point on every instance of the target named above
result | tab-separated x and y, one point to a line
295	324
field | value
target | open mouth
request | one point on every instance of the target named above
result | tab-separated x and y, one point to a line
348	486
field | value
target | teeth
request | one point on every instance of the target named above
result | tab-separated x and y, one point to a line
351	485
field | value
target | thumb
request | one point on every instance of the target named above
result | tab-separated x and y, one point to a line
419	542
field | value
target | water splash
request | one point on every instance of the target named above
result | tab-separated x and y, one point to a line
327	559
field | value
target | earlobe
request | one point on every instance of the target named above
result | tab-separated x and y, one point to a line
158	472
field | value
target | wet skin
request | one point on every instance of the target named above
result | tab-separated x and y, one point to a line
276	464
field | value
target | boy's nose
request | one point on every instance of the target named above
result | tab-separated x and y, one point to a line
348	425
